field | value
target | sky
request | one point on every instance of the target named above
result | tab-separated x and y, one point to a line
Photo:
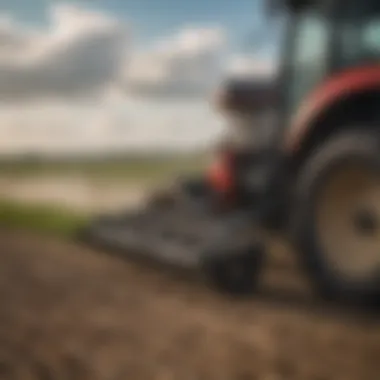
106	75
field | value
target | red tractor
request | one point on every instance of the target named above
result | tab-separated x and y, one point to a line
307	162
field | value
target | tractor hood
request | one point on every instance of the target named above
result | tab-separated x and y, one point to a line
249	107
247	96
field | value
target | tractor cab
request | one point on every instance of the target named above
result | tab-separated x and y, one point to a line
331	53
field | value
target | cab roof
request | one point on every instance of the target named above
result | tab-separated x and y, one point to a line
290	5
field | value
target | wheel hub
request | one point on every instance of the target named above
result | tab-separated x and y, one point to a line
366	222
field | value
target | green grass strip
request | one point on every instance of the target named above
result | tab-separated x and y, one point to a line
40	218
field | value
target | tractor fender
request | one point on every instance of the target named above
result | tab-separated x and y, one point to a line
336	97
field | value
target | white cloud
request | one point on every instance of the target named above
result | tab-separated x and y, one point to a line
48	77
248	66
12	37
78	55
134	125
188	64
152	99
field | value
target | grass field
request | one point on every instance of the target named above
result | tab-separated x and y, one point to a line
60	222
65	221
131	168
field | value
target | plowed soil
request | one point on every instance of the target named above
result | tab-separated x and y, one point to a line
73	313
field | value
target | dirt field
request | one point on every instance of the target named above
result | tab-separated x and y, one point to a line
67	313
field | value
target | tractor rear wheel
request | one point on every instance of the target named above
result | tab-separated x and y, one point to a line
337	218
